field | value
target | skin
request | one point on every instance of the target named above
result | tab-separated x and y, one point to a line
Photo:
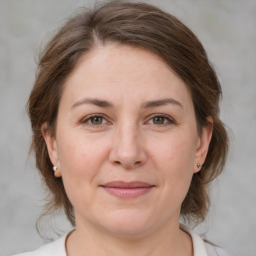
126	142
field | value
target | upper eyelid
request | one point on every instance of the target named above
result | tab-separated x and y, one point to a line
161	115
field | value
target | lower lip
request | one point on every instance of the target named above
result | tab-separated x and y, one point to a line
128	192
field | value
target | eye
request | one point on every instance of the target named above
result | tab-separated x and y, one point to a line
160	120
94	120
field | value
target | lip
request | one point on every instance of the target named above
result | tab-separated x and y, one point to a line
122	189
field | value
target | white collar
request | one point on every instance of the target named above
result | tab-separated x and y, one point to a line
199	248
198	244
58	247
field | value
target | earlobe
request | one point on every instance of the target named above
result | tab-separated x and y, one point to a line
203	144
51	147
57	173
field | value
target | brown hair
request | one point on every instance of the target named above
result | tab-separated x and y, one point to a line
140	25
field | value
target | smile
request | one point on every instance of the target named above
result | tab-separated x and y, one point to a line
127	190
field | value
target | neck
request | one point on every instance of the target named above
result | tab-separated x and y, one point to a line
165	241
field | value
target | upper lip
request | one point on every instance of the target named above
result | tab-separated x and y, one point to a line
124	184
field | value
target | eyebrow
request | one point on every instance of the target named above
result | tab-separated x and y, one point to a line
94	101
161	102
107	104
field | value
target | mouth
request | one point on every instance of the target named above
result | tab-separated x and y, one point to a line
127	190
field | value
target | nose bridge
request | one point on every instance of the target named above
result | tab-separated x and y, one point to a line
127	147
127	138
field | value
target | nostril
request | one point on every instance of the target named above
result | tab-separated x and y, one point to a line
116	162
127	165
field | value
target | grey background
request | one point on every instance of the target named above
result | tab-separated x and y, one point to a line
226	28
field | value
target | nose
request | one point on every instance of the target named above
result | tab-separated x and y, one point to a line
127	149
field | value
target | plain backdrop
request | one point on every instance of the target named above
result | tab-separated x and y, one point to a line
226	28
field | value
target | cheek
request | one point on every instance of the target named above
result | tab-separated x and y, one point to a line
80	156
176	151
81	160
182	153
174	159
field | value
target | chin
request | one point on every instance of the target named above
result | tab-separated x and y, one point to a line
128	223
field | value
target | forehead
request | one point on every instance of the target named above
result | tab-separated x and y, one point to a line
119	72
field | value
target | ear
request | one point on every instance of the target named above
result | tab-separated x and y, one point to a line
203	144
52	148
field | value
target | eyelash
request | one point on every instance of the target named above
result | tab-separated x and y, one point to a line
89	118
167	120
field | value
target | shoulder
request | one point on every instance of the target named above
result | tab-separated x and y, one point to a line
52	249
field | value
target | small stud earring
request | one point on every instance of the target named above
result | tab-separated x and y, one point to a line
54	168
198	165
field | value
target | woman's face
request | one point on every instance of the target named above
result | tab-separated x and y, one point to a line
126	141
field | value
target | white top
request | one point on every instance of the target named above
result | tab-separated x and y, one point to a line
57	248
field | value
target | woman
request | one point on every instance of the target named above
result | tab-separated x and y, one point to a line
126	132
